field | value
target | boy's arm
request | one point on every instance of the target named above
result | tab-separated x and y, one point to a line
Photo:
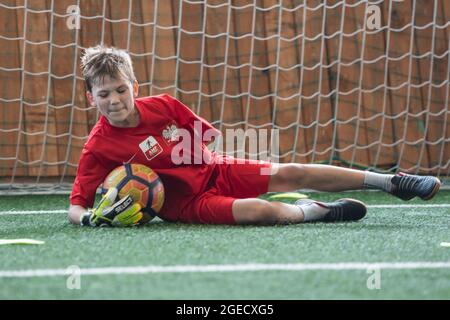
75	213
90	174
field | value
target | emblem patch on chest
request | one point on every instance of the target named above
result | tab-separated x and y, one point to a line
170	133
150	147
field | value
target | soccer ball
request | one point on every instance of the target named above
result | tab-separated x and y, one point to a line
141	183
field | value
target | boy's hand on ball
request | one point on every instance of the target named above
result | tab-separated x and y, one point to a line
123	213
108	213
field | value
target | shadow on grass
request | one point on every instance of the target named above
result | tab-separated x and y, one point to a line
160	225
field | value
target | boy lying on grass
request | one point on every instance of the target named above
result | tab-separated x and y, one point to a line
208	188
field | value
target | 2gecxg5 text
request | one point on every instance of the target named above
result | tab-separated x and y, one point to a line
226	309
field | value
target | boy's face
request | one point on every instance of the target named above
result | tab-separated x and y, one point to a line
115	100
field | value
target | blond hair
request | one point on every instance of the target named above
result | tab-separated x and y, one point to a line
101	61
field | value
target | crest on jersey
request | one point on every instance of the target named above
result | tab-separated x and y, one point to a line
150	147
170	133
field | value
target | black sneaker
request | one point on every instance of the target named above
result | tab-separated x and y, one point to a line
340	210
408	186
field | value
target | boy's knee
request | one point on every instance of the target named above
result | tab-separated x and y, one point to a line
288	176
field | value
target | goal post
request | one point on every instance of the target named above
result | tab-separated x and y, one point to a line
362	84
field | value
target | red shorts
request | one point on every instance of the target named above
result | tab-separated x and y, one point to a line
230	181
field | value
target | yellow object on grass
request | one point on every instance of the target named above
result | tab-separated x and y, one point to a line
20	241
287	196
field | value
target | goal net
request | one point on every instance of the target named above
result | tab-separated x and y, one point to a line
362	84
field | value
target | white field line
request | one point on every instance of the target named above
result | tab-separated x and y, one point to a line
389	206
25	212
377	206
222	268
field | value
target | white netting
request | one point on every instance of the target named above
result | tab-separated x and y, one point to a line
340	88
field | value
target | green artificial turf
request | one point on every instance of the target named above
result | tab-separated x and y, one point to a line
396	234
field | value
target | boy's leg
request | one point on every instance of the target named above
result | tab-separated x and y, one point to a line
231	199
260	212
293	176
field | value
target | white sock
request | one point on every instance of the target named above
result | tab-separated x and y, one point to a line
312	211
378	181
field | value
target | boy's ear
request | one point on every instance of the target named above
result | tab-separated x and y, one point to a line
90	98
135	88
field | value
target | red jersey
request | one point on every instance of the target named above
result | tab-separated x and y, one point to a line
150	144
